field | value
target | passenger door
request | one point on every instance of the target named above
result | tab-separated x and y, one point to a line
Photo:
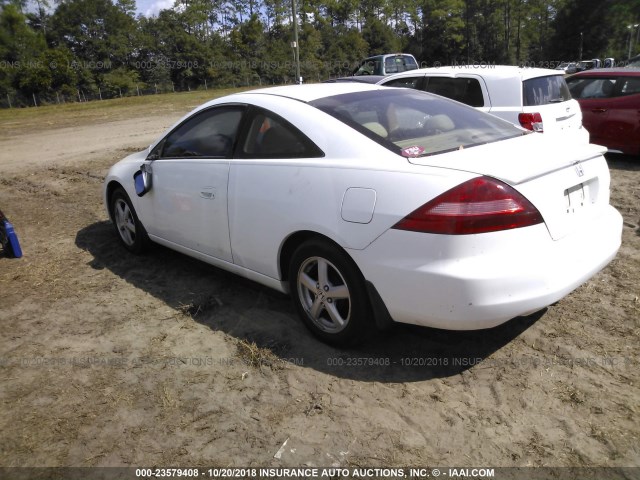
594	95
622	128
190	170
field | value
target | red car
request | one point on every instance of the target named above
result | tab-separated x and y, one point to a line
610	102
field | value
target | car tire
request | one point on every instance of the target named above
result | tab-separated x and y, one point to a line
328	292
130	230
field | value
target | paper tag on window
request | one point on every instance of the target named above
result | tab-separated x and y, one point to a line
412	152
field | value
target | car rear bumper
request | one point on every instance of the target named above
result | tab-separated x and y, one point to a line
472	282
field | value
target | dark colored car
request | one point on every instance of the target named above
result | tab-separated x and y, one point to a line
588	65
610	103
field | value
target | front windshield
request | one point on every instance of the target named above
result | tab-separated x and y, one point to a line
414	123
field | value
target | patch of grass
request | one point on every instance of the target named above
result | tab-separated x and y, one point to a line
23	120
571	394
258	357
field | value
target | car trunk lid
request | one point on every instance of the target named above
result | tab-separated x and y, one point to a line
568	184
558	117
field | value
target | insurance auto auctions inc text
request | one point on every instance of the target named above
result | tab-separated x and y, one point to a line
373	472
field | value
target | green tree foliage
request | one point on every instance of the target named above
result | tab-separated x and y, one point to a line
94	30
600	24
119	81
21	50
443	30
380	37
86	45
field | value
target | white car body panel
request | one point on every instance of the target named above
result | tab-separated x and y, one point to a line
358	205
469	282
543	172
306	198
359	190
188	205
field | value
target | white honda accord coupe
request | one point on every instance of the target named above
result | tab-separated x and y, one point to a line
372	204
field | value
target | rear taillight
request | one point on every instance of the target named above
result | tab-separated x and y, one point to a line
531	121
479	205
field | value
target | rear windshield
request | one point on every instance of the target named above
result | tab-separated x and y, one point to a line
399	63
545	90
414	123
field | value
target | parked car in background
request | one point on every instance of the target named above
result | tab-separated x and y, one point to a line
588	65
634	62
568	67
386	64
371	204
610	102
534	98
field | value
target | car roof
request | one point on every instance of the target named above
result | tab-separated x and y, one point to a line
382	55
484	70
358	78
314	91
608	71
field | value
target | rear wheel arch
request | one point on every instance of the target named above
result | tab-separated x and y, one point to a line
292	243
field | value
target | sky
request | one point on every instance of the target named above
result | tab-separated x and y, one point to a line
150	8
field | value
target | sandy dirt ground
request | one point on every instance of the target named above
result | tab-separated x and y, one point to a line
108	359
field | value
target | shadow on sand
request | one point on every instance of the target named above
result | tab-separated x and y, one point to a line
248	311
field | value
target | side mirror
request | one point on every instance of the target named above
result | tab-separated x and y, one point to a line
143	180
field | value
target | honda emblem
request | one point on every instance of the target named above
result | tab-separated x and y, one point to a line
579	169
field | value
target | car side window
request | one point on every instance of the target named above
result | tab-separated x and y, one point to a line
592	87
271	136
404	82
630	86
369	66
463	90
208	134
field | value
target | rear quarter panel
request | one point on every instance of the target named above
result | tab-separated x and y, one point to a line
271	200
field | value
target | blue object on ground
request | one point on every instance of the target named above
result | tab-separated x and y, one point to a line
9	239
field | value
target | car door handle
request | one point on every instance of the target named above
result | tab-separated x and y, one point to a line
208	192
598	110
